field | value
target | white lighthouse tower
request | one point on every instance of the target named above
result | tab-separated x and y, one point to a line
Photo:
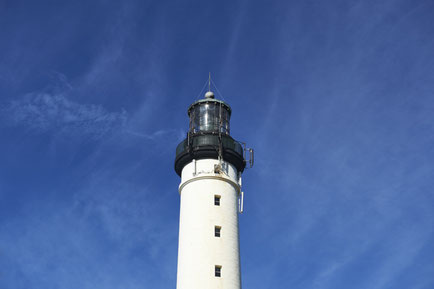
210	163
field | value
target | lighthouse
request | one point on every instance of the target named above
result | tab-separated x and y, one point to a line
210	163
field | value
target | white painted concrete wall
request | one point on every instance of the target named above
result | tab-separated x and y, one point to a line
199	250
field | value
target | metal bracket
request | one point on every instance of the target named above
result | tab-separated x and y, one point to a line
251	157
241	203
248	152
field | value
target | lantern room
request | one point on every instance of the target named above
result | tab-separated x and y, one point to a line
209	116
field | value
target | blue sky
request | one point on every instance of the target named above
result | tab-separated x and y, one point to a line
336	98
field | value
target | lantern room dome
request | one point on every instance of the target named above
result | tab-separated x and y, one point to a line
209	94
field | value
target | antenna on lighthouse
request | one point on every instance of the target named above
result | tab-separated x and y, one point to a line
209	94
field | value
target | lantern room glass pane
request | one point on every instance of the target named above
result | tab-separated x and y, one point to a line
206	118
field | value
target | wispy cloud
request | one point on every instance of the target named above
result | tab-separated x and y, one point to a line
56	113
107	236
160	134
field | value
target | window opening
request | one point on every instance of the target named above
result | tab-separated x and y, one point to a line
217	231
218	271
217	200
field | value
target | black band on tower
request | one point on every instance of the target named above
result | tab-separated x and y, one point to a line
206	146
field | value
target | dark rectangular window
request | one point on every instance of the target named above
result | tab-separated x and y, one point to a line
217	200
218	270
217	230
